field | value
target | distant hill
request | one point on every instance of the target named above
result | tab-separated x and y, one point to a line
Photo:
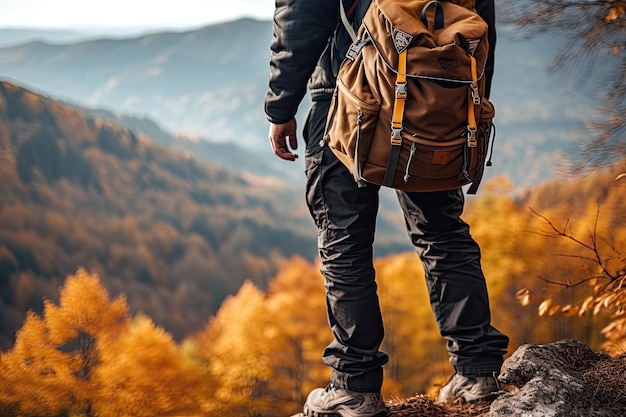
203	81
11	36
226	154
209	84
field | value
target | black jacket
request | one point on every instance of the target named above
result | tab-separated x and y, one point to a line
308	44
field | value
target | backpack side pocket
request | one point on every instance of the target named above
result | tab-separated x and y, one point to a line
352	120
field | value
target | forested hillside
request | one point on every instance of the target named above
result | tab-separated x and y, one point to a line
174	234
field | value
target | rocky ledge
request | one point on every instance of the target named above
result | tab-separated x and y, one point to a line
561	379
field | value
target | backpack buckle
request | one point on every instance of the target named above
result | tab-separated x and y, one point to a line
475	95
355	49
396	135
472	140
400	91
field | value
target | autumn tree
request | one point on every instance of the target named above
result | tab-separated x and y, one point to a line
596	36
83	319
143	373
86	357
55	356
298	333
235	348
264	349
36	378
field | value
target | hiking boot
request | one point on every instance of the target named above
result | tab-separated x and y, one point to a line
469	388
337	402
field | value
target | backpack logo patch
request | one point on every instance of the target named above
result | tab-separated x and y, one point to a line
472	44
446	64
401	40
441	157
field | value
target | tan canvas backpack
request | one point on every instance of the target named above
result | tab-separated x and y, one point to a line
409	110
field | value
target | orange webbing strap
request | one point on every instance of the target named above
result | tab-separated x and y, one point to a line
400	100
397	120
473	99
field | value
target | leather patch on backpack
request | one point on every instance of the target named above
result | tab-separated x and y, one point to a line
446	64
441	157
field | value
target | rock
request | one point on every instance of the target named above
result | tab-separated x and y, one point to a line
553	380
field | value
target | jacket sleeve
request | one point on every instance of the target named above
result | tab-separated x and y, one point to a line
301	32
486	10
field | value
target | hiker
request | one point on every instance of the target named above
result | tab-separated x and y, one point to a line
308	46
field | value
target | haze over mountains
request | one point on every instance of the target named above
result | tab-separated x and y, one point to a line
14	36
192	82
209	84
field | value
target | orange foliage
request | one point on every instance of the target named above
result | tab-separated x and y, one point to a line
36	377
570	251
142	373
264	350
86	356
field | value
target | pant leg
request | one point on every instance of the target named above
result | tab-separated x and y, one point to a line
345	216
456	284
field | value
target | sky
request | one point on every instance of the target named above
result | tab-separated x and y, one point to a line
127	14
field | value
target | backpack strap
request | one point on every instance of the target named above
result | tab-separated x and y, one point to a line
346	21
397	120
473	99
438	14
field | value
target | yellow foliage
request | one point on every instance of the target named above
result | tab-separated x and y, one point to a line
584	265
499	227
36	377
615	334
85	356
235	346
615	13
523	296
298	332
544	307
143	373
84	307
264	350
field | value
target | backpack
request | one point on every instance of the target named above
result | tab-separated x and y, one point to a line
409	111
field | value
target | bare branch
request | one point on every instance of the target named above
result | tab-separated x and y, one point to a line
562	233
594	37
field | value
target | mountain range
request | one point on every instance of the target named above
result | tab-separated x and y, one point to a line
208	84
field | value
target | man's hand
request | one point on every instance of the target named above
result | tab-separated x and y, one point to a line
283	139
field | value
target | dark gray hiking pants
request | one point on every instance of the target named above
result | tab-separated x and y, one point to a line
345	216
